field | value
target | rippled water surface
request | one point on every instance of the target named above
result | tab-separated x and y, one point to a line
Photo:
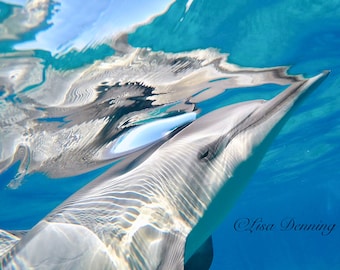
86	84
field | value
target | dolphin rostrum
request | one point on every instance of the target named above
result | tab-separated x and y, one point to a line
158	214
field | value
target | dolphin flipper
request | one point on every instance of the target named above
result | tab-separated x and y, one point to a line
202	258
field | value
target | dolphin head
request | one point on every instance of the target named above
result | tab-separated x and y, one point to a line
225	147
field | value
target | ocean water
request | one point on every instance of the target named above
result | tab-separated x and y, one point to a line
48	47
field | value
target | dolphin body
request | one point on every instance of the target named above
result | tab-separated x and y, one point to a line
158	214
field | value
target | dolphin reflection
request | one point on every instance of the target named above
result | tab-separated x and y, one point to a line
66	120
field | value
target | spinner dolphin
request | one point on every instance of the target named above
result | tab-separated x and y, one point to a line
159	213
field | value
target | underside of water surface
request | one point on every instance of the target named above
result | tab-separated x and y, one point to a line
84	86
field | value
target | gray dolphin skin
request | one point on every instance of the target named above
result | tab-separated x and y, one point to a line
157	215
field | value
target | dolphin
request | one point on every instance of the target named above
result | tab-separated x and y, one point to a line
158	214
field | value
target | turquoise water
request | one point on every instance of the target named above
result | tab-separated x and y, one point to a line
298	178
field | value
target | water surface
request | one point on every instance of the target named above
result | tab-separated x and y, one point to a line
64	67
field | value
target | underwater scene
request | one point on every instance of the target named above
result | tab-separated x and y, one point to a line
156	134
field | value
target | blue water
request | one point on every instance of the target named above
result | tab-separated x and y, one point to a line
299	176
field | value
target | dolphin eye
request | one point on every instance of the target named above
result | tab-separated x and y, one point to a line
207	154
203	154
212	150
